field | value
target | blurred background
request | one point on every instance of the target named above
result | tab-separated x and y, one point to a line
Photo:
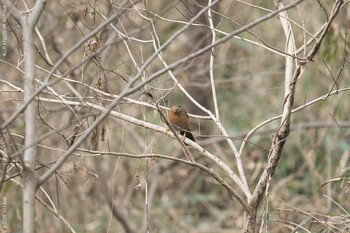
101	189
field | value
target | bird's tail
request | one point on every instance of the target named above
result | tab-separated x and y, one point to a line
189	135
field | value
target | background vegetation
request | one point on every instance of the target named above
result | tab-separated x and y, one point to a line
108	185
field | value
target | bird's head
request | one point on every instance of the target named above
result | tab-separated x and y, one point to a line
176	108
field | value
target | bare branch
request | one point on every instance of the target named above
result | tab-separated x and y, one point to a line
283	132
59	62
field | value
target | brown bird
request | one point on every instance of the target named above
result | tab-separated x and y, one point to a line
178	117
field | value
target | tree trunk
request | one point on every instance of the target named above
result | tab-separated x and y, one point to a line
29	155
250	221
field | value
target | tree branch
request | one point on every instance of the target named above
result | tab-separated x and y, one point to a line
283	132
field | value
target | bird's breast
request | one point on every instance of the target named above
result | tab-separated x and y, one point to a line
179	120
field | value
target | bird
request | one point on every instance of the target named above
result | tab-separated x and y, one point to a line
178	118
